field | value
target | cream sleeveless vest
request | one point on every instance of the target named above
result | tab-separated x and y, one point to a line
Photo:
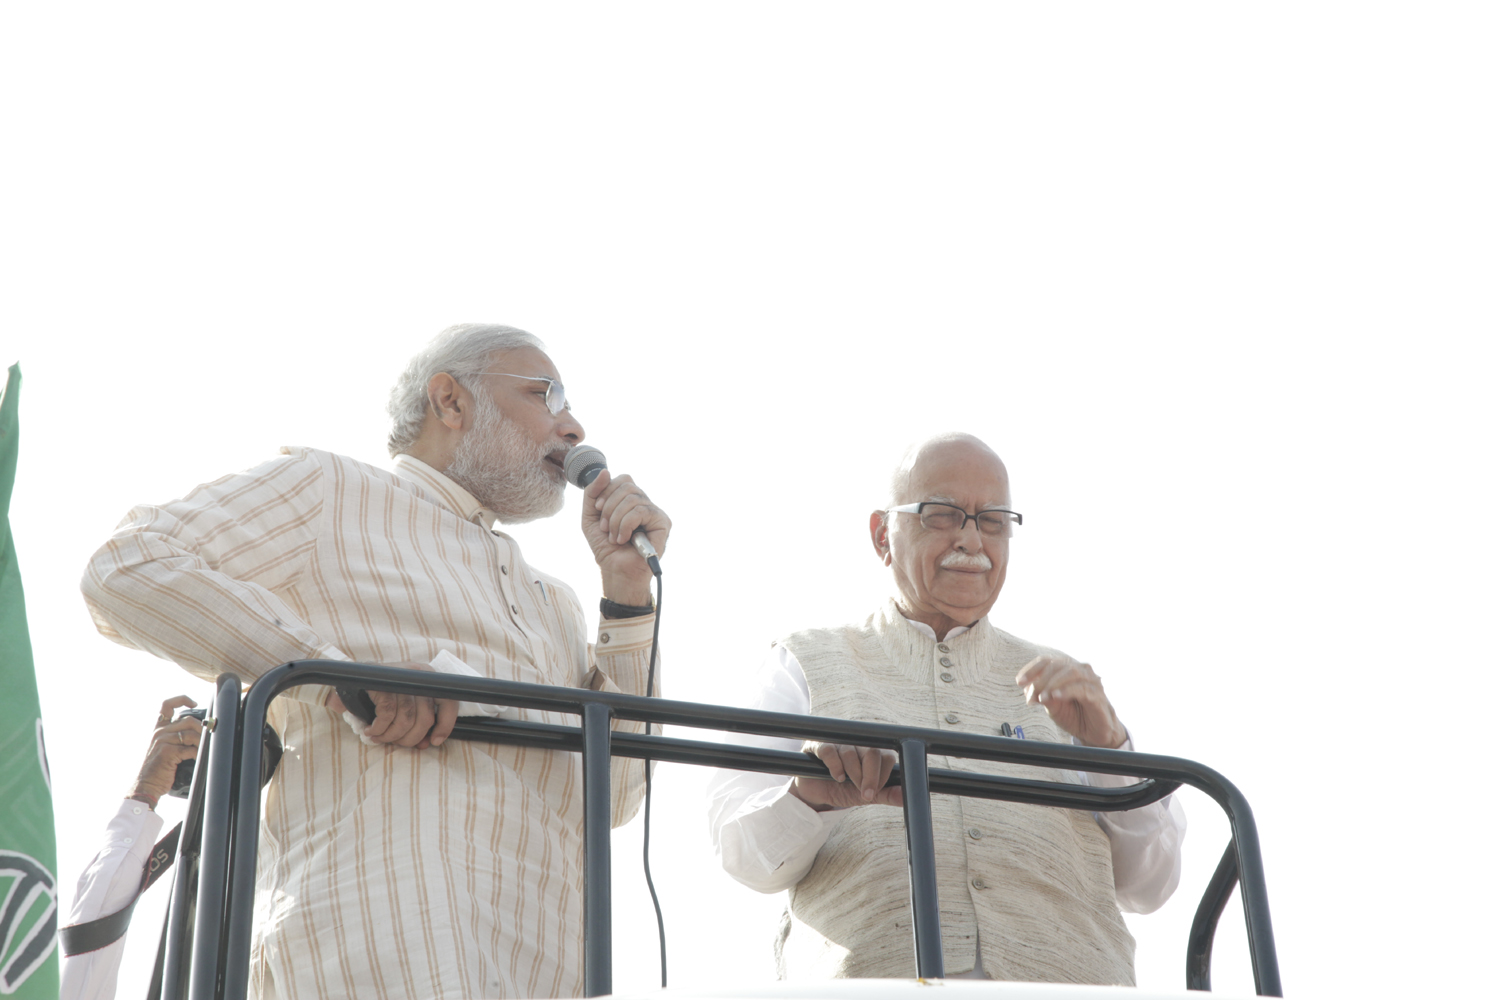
1035	883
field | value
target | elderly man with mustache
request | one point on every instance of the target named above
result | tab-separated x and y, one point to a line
395	863
1025	892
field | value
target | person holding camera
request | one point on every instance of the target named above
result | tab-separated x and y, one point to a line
114	878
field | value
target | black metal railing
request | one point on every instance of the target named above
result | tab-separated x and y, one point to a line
209	922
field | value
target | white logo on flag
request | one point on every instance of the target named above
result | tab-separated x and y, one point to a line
28	918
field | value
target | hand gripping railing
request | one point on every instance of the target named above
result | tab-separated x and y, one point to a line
225	872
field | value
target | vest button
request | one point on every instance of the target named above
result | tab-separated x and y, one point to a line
504	571
974	833
977	883
951	719
946	662
943	648
603	637
947	677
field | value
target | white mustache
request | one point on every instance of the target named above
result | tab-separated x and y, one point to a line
963	560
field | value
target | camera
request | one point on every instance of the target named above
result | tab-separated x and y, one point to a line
270	755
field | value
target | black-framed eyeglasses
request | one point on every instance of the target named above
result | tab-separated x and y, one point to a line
557	396
937	516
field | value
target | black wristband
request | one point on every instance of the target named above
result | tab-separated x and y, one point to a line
610	609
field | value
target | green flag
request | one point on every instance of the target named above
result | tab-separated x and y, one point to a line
28	843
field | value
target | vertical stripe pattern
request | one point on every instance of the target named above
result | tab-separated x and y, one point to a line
384	872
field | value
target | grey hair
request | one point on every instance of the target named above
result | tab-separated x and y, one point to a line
462	351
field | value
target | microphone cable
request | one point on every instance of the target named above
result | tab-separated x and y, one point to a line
661	927
582	466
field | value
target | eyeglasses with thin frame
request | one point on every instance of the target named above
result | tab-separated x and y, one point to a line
946	517
557	397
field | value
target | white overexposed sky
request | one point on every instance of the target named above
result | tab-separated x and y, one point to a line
1218	281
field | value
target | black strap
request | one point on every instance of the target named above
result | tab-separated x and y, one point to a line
91	935
609	609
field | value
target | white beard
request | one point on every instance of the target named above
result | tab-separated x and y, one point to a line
503	470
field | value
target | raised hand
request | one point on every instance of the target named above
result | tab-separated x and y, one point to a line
1074	696
171	744
613	508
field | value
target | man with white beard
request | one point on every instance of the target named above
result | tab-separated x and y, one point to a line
394	863
1025	892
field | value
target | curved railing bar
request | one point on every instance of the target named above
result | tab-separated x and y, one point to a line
236	936
944	781
214	866
547	697
1206	921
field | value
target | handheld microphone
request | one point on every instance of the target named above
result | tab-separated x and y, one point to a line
582	467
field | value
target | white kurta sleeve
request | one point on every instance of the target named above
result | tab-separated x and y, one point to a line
196	580
1145	845
107	885
765	836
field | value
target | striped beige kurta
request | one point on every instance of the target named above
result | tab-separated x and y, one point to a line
383	872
